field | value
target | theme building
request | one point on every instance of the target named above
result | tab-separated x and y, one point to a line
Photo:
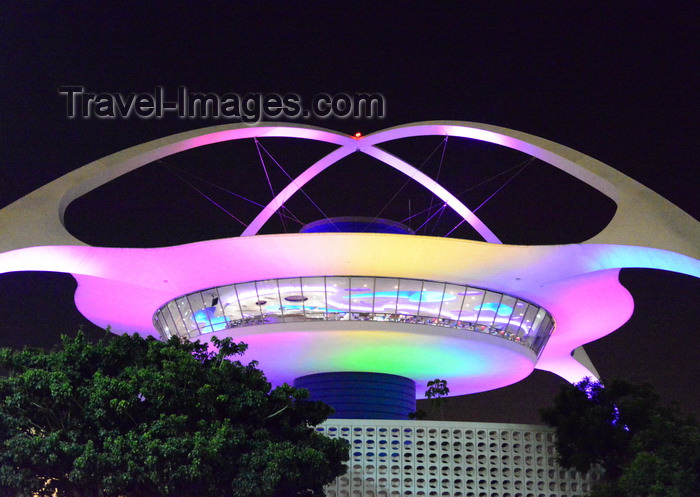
363	311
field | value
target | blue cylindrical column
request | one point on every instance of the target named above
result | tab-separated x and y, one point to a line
356	395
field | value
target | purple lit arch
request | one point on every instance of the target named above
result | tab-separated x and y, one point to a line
123	288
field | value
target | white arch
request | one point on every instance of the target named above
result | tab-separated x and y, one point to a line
297	183
643	218
435	188
122	287
389	160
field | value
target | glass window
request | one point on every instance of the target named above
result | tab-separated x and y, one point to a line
452	304
194	303
472	303
186	313
167	323
215	310
314	291
540	340
200	309
228	298
529	318
516	318
536	323
268	302
432	299
248	298
409	297
338	295
488	310
362	292
385	291
178	324
519	318
200	314
506	309
292	299
357	298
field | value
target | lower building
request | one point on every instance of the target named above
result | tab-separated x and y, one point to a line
451	459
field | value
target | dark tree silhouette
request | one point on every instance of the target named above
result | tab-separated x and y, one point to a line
645	448
128	416
437	390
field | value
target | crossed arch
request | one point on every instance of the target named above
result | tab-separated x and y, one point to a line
37	219
391	160
123	286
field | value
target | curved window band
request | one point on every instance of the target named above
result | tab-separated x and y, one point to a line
356	298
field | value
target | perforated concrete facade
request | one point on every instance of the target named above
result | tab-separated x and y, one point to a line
446	459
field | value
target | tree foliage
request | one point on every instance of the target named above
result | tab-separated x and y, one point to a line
437	389
129	416
645	448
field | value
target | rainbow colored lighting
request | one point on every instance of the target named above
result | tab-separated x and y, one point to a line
424	296
500	309
578	284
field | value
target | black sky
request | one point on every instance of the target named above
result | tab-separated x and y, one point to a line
619	84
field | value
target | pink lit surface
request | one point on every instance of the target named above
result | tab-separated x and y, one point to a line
469	365
577	284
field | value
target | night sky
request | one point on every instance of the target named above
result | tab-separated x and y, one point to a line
620	85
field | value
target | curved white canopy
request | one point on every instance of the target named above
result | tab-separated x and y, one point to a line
578	284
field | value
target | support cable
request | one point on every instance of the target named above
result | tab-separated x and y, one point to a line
504	184
410	178
300	189
208	198
175	170
439	211
269	183
522	166
437	179
411	216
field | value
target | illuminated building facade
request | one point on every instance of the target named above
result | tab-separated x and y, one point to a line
378	301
